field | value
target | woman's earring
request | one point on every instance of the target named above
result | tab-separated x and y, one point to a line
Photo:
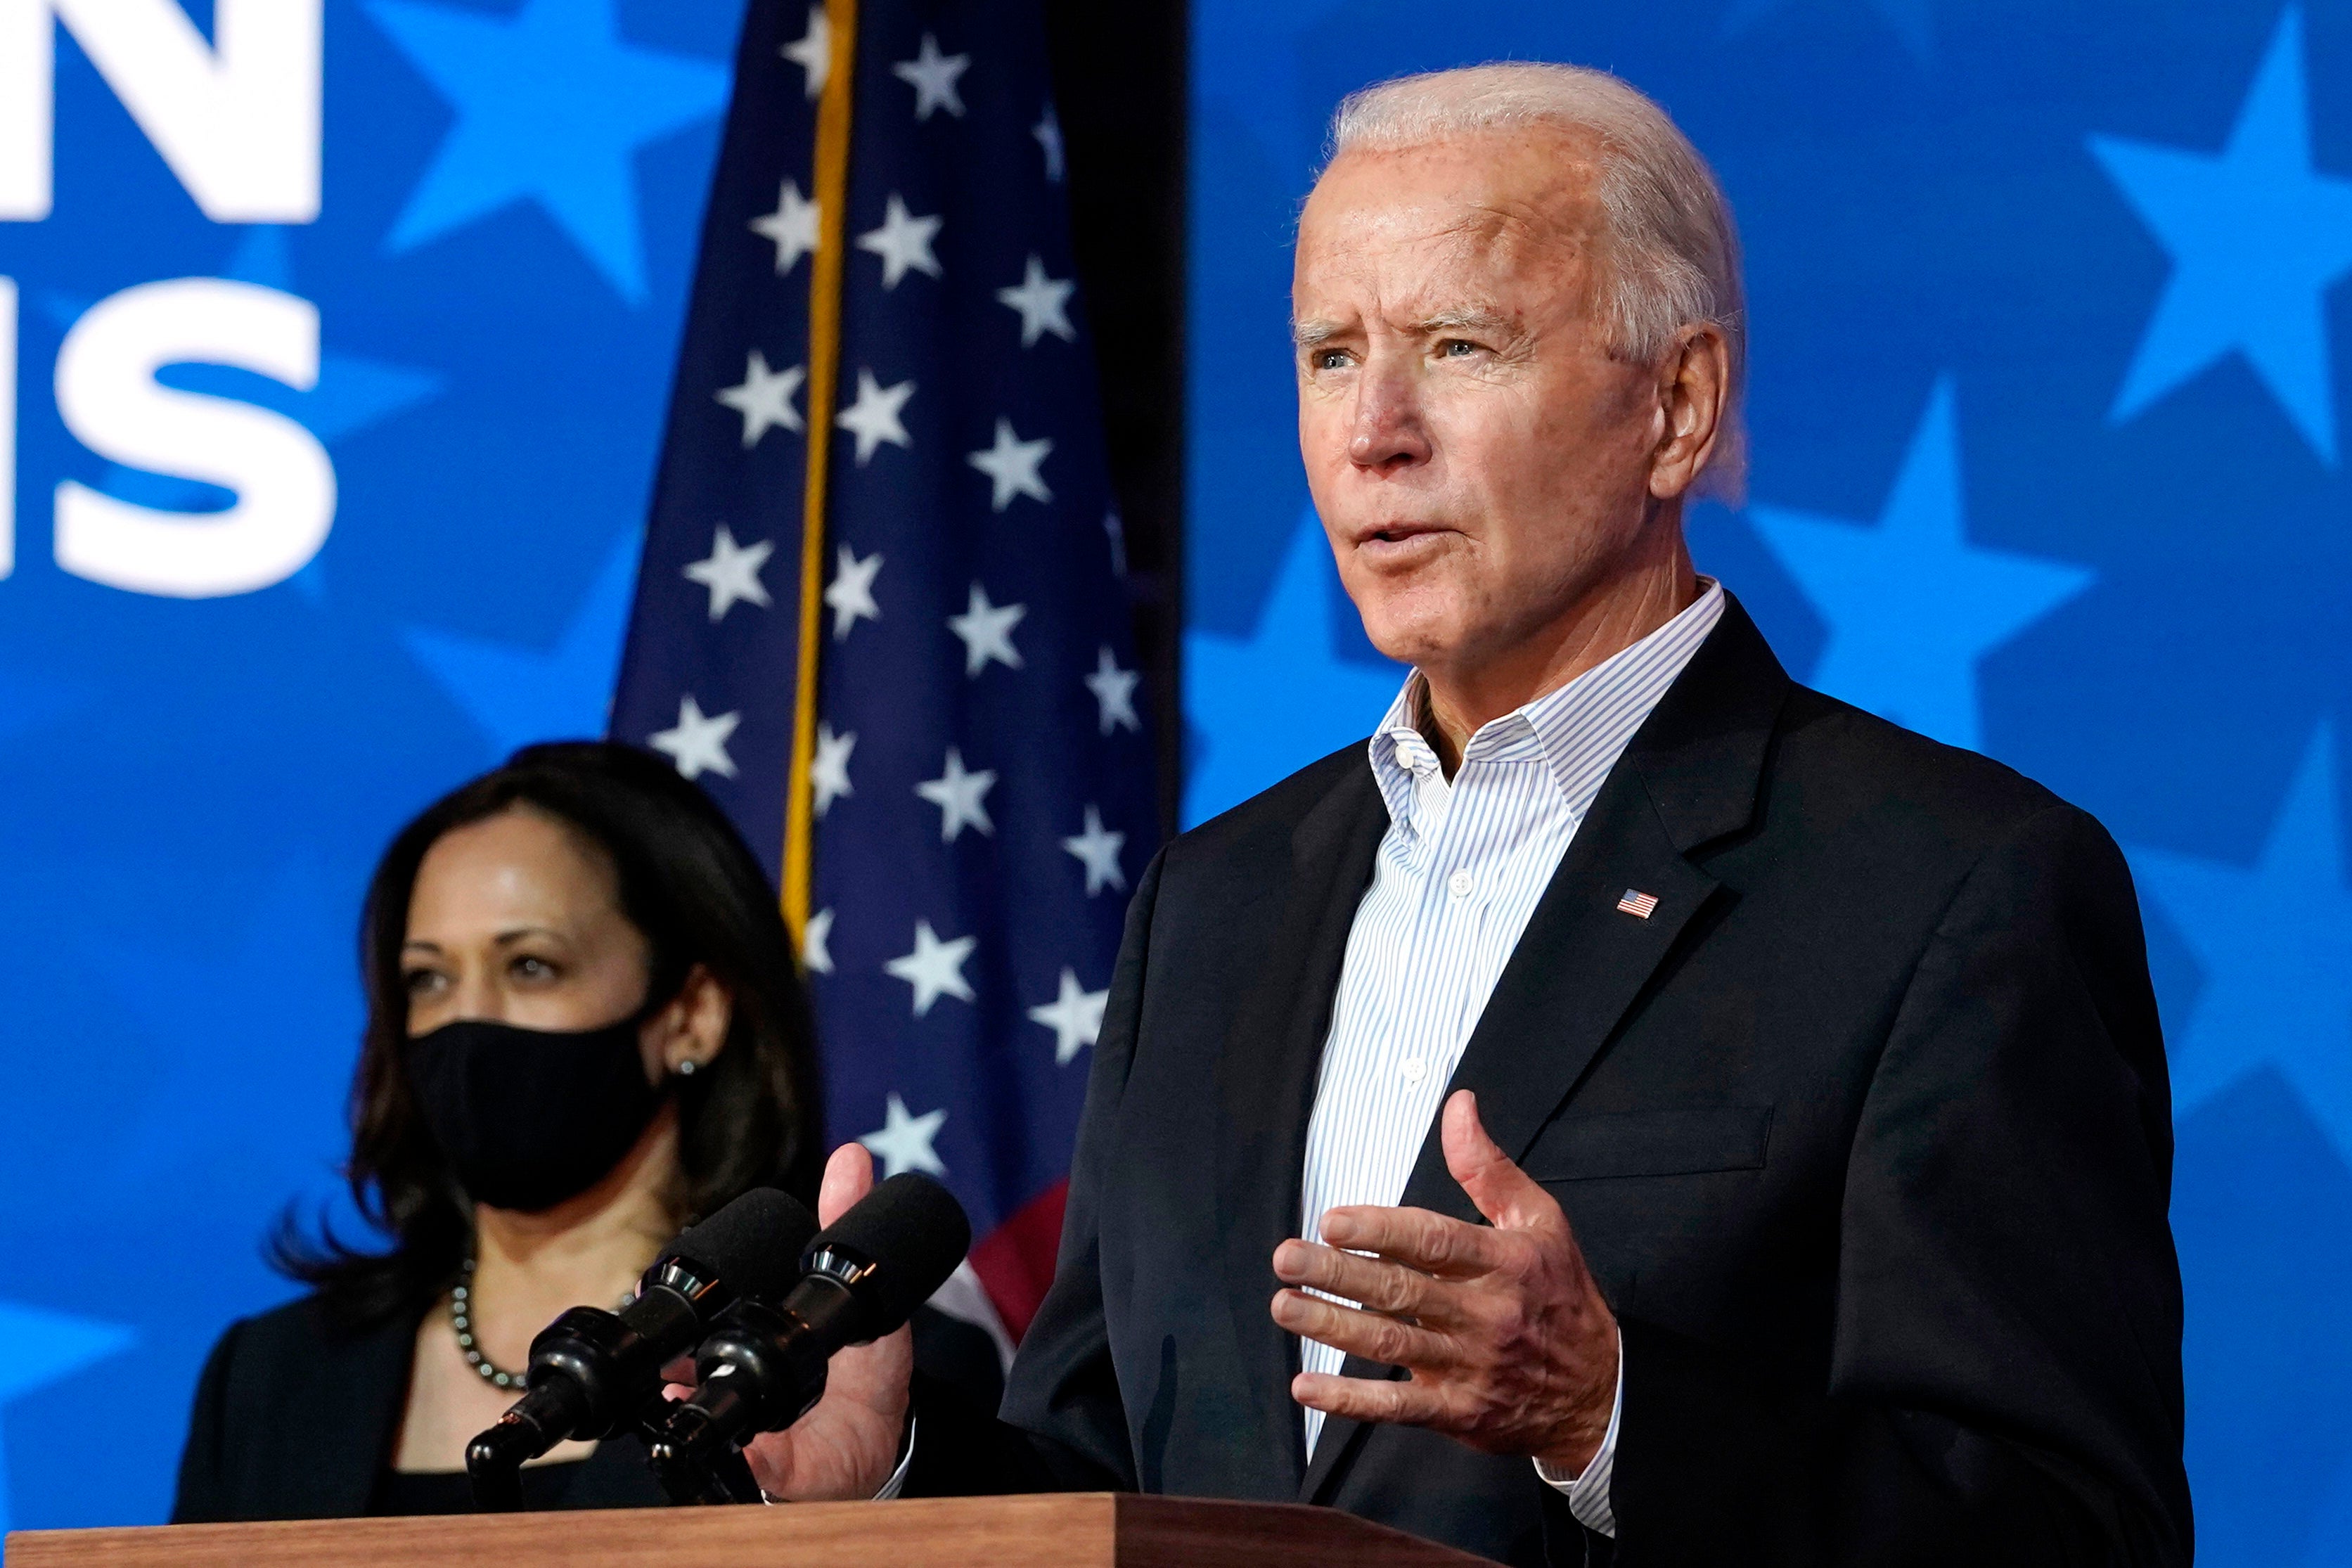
686	1068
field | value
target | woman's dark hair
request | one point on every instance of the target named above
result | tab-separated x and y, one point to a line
690	885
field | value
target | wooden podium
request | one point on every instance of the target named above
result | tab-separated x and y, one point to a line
1068	1530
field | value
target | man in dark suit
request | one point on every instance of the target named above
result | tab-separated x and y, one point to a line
1797	1193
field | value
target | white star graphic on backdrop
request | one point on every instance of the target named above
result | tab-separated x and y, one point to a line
1114	690
814	52
934	969
732	573
816	955
764	398
829	770
1097	850
792	226
905	1142
699	744
987	632
933	76
1044	303
961	797
850	594
1075	1016
903	242
873	418
1048	133
1011	464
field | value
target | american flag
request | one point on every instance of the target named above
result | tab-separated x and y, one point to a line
900	657
1640	905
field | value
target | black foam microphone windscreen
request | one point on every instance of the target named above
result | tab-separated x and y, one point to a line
754	1243
916	1234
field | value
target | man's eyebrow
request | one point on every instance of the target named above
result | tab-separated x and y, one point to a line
1307	335
1466	320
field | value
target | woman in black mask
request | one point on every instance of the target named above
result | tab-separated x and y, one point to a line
584	1031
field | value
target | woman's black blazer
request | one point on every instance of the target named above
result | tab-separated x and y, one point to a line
295	1417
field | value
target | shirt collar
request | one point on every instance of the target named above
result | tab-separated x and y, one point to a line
1577	731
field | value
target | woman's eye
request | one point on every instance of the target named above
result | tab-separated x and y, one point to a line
526	967
421	982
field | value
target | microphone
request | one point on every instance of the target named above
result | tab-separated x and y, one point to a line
592	1372
763	1367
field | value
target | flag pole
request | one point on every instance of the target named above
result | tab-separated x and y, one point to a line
831	181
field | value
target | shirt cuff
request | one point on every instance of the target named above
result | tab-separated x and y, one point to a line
1588	1494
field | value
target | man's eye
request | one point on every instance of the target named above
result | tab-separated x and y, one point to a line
1331	358
1457	348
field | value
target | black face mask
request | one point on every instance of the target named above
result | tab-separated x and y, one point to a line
529	1118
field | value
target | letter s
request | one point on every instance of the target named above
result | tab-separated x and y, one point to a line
109	397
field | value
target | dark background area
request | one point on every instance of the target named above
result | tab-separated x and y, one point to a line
1120	88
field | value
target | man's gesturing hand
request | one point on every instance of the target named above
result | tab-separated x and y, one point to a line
846	1449
1510	1346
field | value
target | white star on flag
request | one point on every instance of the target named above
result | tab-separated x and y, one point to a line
850	594
791	226
934	77
1114	690
699	744
961	797
1012	464
816	957
1048	133
732	573
1044	303
814	52
905	1142
903	242
934	969
764	398
987	632
873	418
829	768
1076	1017
1097	850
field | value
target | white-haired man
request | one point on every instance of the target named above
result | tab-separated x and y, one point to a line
1676	1116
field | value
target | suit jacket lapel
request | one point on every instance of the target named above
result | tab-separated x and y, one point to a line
1267	1073
1689	777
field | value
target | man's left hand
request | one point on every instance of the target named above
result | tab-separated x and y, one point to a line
1510	1347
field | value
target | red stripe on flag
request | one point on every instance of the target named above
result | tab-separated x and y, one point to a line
1015	1260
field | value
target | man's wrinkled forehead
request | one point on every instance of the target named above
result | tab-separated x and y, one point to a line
1490	203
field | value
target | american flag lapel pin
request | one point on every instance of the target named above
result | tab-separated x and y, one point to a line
1637	904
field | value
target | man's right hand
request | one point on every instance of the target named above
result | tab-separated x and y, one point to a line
847	1447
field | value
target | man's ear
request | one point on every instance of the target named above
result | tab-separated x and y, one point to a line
1694	396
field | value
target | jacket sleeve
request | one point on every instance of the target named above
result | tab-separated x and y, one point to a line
1062	1425
202	1493
2005	1375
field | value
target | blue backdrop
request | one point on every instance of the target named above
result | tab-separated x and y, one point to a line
193	789
2049	461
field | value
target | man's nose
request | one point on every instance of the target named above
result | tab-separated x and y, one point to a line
1390	433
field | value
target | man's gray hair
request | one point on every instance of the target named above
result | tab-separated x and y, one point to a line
1674	254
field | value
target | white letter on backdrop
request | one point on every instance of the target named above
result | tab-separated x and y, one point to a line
25	89
238	123
108	396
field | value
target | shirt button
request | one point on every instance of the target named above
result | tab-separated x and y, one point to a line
1460	883
1413	1069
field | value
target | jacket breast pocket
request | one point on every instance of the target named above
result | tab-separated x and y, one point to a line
1682	1141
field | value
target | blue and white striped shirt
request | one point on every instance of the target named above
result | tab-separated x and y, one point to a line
1459	873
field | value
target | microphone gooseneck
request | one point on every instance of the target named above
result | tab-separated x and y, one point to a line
763	1367
593	1372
